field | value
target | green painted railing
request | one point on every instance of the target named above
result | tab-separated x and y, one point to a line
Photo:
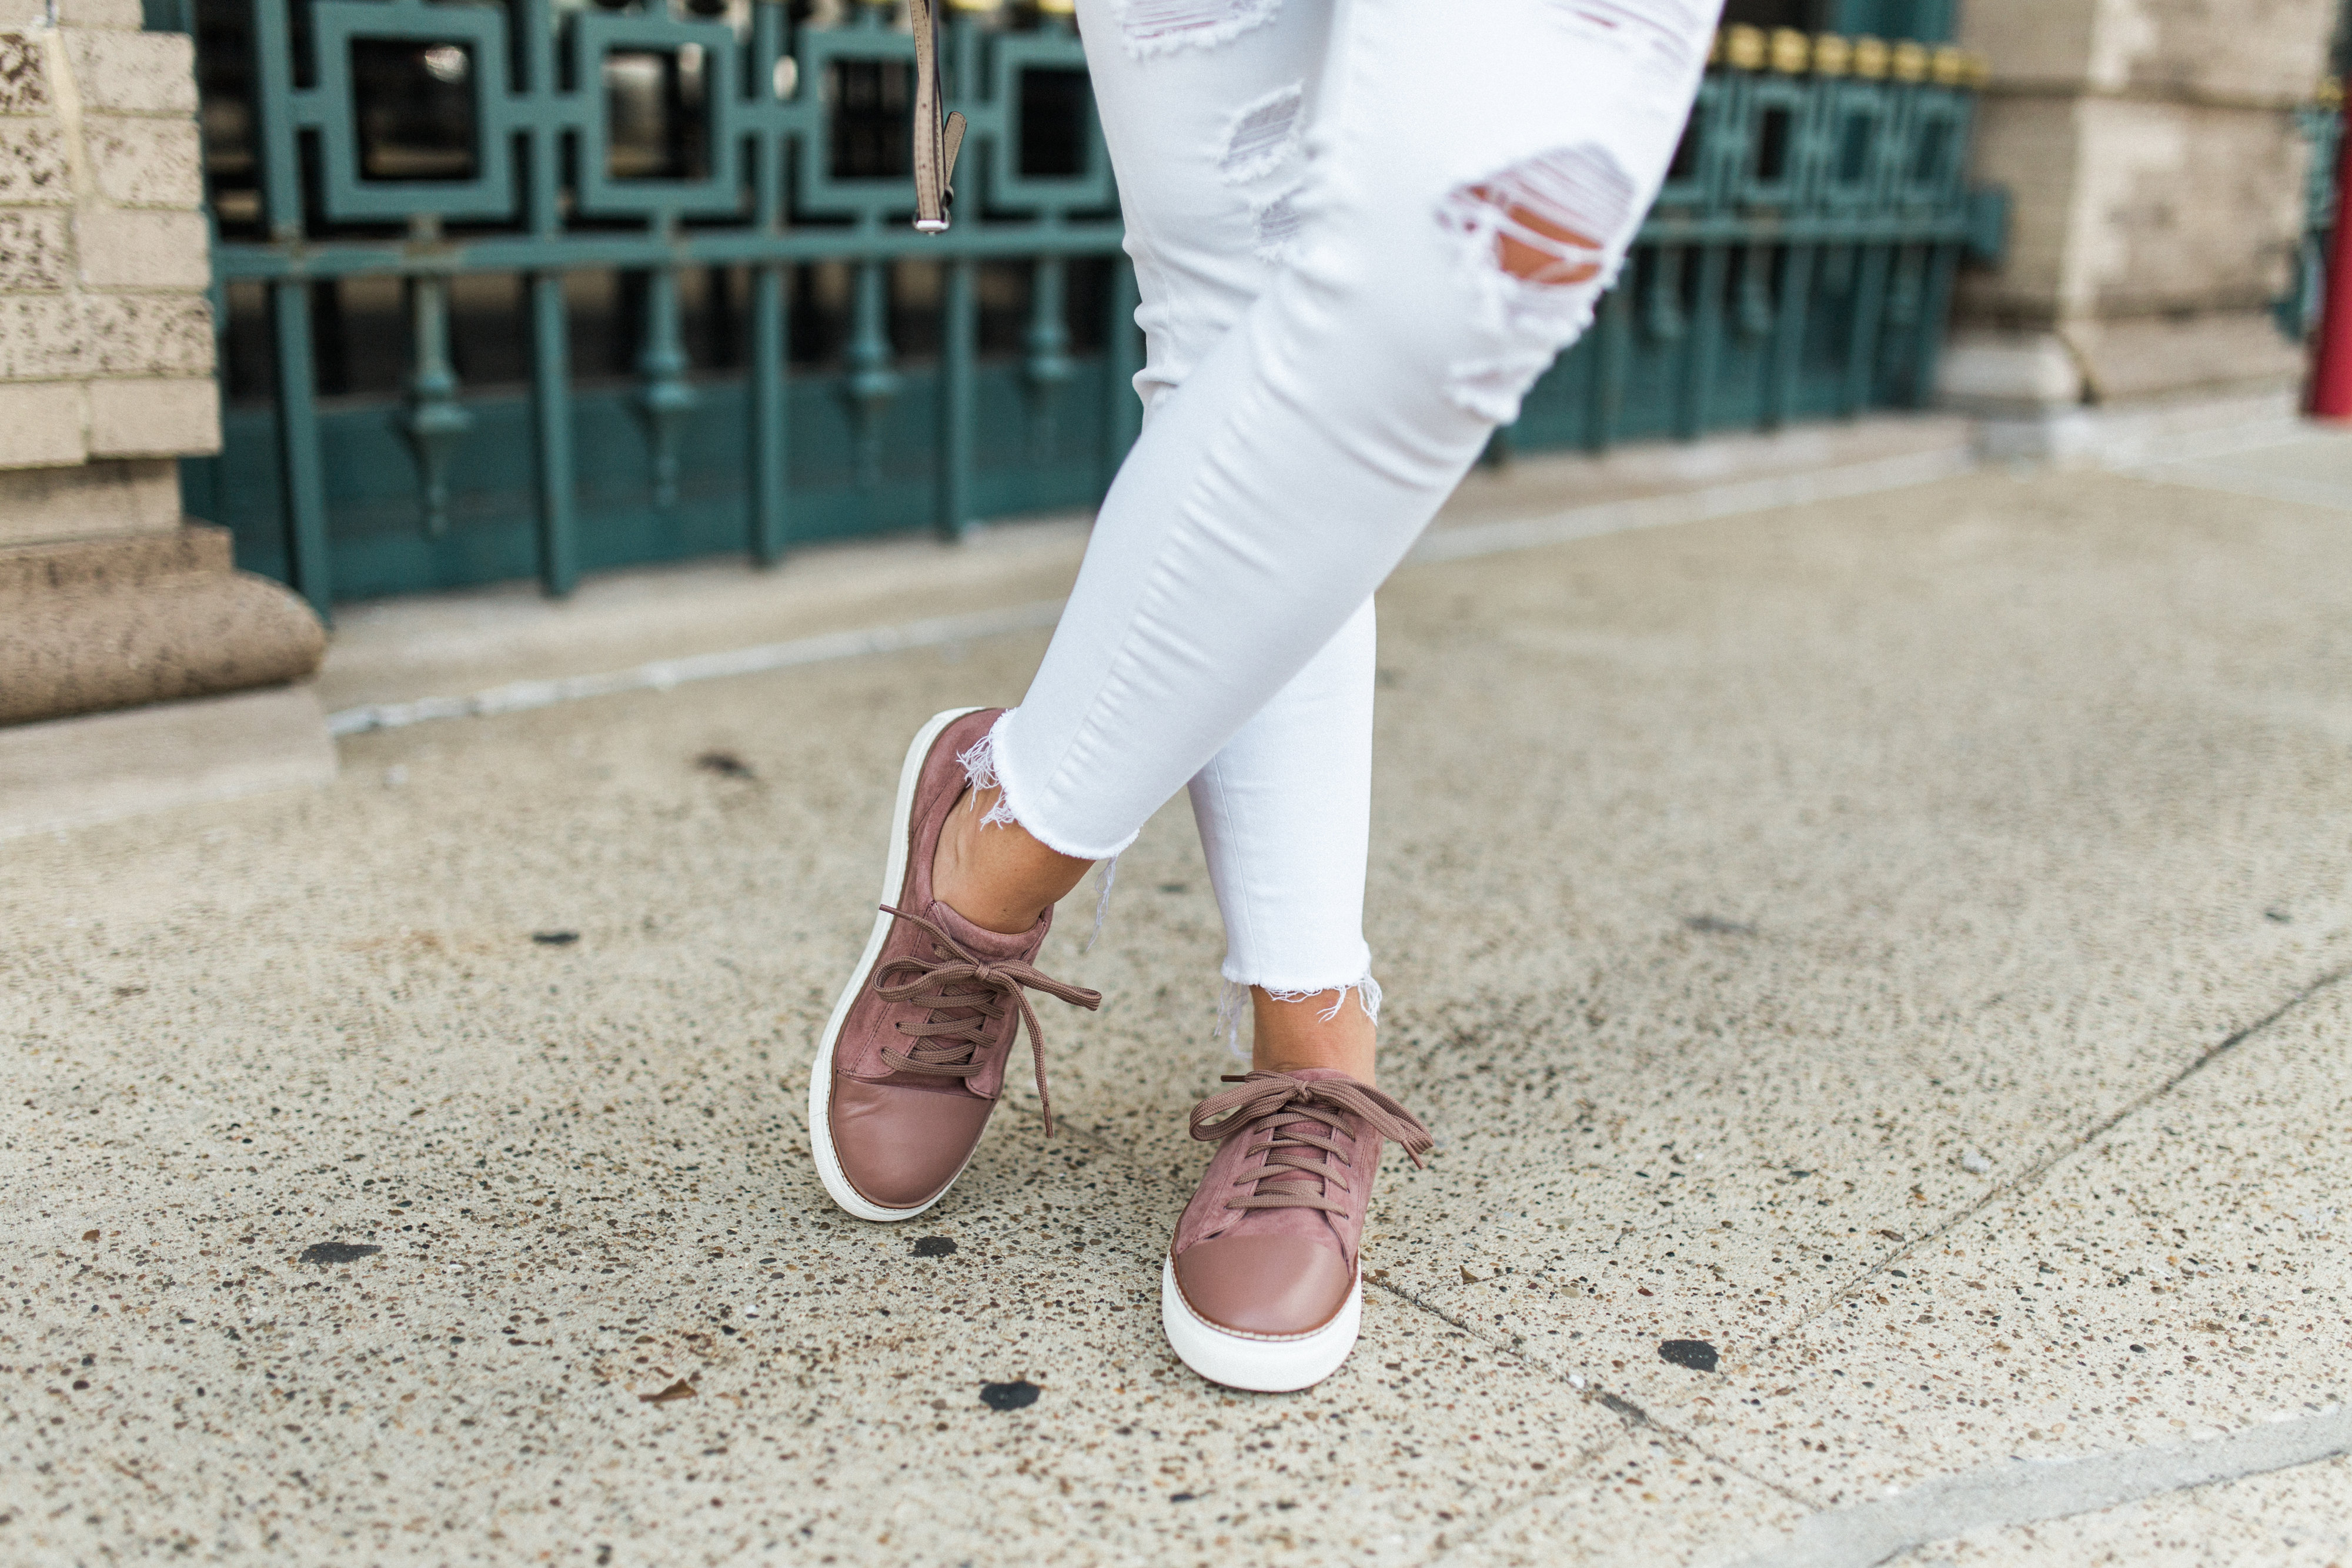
530	289
2322	124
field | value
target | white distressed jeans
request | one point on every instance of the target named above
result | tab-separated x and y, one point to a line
1361	228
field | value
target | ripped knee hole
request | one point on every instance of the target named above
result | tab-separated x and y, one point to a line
1549	220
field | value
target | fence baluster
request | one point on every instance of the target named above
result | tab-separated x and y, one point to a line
436	421
959	345
299	464
665	398
1788	351
1905	285
1943	262
770	367
545	164
1706	343
771	413
1756	291
1861	341
1049	366
1606	401
873	382
551	393
281	168
1662	313
305	496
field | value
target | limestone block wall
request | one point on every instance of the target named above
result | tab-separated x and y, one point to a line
2151	150
109	598
106	340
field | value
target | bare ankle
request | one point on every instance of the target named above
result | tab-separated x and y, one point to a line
996	875
1291	1034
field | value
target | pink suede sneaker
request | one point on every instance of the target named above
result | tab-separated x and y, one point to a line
1263	1288
912	1061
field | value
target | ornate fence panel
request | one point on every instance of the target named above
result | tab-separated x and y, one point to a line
522	288
1799	261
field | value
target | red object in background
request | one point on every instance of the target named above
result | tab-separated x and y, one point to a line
2331	373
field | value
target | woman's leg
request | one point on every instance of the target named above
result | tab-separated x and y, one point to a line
1284	813
914	1056
1475	175
1207	143
1480	170
1285	827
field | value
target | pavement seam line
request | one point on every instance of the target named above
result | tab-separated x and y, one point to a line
2052	1159
1576	1467
2214	479
1451	544
2028	1491
1634	1416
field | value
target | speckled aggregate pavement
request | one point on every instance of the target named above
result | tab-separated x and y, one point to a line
1898	942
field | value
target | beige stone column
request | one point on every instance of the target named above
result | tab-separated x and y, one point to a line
137	668
2151	151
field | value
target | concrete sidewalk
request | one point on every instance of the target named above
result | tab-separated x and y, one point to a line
1899	943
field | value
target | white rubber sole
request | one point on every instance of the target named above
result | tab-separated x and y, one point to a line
894	883
1259	1365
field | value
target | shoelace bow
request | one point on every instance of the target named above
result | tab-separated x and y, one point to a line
1291	1105
948	1047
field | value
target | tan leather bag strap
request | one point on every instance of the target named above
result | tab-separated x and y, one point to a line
937	139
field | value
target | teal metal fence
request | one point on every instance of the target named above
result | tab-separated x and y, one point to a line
2322	124
532	287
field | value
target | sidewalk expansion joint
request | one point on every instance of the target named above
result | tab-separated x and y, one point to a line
1634	1418
2072	1146
1633	1415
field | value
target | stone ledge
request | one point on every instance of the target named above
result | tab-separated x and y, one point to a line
111	499
98	767
103	643
2125	435
2115	364
2214	354
116	563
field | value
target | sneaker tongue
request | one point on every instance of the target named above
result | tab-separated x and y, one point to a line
986	945
979	940
1305	1222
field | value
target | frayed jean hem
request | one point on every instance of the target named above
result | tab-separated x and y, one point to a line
985	768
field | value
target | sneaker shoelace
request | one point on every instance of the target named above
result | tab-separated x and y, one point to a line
964	996
1308	1150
